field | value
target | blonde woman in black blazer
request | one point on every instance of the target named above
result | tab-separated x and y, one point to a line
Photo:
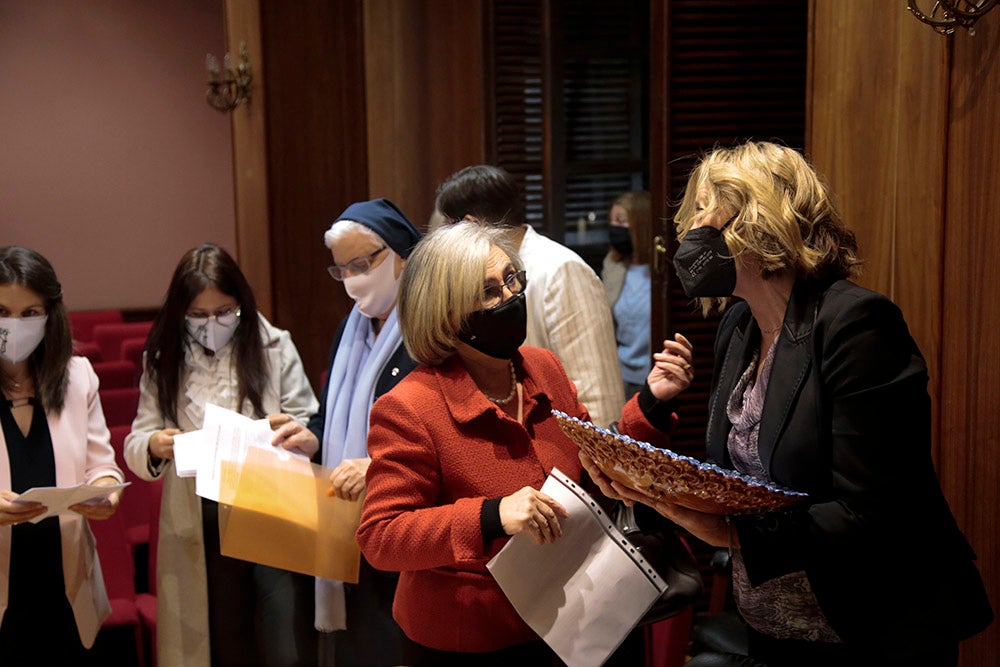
819	387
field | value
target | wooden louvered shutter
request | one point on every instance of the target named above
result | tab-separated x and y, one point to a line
733	71
723	71
515	111
569	84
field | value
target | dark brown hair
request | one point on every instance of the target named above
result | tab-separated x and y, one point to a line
203	267
487	193
49	363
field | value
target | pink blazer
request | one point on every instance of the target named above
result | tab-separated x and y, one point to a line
82	447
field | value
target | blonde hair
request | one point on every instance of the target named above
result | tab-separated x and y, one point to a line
441	283
785	218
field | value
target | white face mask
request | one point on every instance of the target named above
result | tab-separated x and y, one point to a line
375	291
19	336
214	331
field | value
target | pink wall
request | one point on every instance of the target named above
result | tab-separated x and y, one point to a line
111	163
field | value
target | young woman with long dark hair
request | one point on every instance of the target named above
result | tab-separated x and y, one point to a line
52	596
209	344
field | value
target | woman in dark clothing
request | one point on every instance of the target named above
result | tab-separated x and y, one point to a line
369	243
818	387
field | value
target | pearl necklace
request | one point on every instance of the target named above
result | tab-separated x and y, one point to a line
513	389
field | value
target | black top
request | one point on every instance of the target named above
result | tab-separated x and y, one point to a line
847	419
36	572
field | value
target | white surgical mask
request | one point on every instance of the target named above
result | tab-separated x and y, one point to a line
214	331
375	291
19	336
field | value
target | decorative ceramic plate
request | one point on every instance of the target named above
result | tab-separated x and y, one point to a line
670	476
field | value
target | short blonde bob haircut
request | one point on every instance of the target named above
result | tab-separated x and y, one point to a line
442	283
785	219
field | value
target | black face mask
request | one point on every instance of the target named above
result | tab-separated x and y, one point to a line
704	264
620	239
498	331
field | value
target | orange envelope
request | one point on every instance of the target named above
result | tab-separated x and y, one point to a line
276	512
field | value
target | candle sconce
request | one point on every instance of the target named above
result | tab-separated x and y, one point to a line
228	87
953	14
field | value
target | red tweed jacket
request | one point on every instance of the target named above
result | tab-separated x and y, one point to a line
439	448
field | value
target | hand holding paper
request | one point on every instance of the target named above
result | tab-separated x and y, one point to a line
58	500
13	512
582	593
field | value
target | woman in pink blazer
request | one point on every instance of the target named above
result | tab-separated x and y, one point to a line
52	596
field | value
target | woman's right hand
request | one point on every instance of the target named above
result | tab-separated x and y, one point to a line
12	513
530	510
161	443
293	436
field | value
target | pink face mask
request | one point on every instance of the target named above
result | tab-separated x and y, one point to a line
375	291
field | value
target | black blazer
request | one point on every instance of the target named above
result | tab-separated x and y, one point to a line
396	369
847	420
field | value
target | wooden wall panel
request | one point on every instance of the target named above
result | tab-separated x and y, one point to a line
877	132
250	157
903	123
316	159
424	73
970	413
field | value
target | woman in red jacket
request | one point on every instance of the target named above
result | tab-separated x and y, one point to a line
461	446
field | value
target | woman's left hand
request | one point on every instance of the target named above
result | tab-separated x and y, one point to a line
709	528
603	482
347	480
672	371
101	508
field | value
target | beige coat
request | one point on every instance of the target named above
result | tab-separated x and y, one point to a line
181	588
81	444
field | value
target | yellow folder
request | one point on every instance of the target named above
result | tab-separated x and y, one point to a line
277	512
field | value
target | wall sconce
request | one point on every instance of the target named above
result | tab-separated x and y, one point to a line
954	14
228	88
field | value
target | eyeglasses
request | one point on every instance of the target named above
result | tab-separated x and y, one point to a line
227	317
515	284
357	267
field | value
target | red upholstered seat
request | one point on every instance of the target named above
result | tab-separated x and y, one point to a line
120	405
135	506
119	579
82	322
88	349
146	602
110	336
115	374
132	351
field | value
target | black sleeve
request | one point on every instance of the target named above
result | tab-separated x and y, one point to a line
658	413
489	520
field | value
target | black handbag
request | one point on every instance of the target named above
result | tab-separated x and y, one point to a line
664	550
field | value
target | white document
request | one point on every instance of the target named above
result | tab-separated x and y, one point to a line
189	449
584	592
225	436
57	500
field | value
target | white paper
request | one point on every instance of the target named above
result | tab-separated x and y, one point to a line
584	592
189	449
225	436
57	500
